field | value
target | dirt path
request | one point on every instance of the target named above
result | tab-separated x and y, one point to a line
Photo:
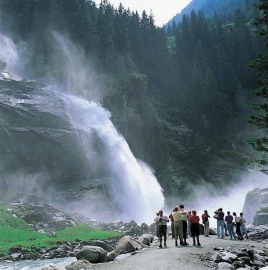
184	258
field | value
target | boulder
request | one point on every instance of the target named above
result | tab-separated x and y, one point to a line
224	265
146	239
80	264
145	228
111	256
261	216
126	245
258	232
238	264
212	231
51	267
92	254
229	256
254	199
258	263
101	244
216	257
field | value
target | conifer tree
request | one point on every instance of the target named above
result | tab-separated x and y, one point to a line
261	65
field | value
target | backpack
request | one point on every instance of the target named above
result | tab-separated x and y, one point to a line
219	215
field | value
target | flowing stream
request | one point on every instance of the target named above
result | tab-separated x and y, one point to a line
37	264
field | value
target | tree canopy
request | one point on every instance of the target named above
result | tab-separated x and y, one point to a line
178	96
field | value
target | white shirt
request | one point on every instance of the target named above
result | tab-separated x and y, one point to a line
183	214
162	220
237	219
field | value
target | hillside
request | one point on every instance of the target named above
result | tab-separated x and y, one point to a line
211	8
182	108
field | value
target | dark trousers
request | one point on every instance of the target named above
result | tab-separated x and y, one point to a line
184	229
162	233
239	235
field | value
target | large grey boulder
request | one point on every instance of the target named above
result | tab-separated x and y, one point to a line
93	254
254	200
101	244
125	245
146	239
80	264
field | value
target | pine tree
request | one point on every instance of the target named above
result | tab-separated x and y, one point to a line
261	64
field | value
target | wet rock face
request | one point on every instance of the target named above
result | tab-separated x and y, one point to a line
2	64
261	218
255	207
41	151
36	135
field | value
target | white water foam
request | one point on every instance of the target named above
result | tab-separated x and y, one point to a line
135	190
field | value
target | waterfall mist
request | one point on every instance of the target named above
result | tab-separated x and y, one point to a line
135	191
231	198
133	188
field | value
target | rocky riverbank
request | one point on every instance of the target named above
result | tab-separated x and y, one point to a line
214	253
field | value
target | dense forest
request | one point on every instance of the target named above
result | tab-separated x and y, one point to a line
179	97
212	8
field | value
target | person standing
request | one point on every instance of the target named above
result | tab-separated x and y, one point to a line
172	224
220	222
243	228
194	219
205	218
237	224
184	223
229	224
157	229
189	223
178	226
162	220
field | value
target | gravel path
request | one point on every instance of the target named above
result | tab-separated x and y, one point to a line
182	257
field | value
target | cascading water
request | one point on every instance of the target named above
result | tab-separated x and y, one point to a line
135	191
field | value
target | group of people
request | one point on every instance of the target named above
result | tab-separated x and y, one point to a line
226	224
185	223
179	218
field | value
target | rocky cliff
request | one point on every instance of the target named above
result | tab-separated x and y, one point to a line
256	206
41	151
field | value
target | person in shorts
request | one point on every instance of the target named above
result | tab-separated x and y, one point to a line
161	221
194	219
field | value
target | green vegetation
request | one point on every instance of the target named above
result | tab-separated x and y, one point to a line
251	194
15	232
84	232
263	209
259	119
179	98
7	220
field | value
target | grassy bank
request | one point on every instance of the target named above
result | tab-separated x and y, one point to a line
16	232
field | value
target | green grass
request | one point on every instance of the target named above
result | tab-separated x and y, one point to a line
29	239
84	232
16	232
6	219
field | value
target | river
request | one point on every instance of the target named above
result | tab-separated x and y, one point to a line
36	264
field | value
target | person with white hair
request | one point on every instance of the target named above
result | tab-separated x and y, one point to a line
161	221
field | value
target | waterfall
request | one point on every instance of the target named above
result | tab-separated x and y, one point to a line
135	190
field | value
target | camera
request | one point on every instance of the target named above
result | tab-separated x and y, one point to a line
160	219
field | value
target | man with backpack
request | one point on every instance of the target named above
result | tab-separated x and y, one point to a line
219	215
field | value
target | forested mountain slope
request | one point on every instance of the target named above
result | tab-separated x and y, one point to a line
181	102
211	8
